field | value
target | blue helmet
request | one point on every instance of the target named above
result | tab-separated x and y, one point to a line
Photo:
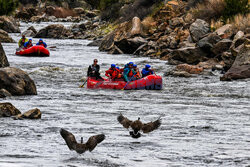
112	65
130	63
147	66
40	40
118	67
30	39
134	65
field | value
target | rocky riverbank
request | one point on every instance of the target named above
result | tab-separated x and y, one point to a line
171	32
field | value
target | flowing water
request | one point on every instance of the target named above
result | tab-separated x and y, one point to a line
205	122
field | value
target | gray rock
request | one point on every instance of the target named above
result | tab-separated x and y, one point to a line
209	41
115	50
16	81
129	46
221	46
8	110
189	55
57	31
198	29
9	24
4	37
3	59
29	33
31	114
241	66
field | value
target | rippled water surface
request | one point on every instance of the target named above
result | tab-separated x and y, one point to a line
205	122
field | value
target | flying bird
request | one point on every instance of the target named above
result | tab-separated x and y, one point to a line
138	126
80	147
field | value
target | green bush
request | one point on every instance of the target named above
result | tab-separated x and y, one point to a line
7	6
234	7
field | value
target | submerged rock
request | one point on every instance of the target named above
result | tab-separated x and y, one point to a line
31	114
192	69
16	81
8	110
3	59
241	66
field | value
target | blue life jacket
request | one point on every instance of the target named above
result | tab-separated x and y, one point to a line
145	72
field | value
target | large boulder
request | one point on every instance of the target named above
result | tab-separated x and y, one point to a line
221	46
31	114
57	31
3	59
208	42
26	13
241	66
4	37
9	24
129	46
198	29
16	81
8	110
189	55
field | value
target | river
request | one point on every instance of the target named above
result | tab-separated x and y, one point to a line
205	122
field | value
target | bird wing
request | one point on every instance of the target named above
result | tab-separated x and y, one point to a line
93	141
124	121
149	127
69	138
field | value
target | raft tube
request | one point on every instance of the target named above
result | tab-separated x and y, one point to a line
152	82
34	51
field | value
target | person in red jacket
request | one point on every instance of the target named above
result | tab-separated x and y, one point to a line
113	72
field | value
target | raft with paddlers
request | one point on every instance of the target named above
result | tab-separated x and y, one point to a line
34	51
152	82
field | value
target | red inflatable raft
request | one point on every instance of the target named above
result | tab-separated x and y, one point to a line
148	82
34	51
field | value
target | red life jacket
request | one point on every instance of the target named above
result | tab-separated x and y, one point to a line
130	74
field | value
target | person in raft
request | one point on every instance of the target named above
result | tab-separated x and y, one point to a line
93	70
22	41
28	44
40	42
147	71
129	73
113	72
136	69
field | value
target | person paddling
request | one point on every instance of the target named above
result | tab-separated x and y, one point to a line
22	41
147	71
40	42
28	44
93	70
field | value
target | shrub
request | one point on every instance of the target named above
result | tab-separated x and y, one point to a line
7	6
234	7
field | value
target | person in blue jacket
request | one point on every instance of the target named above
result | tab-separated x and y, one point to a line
42	43
28	44
146	71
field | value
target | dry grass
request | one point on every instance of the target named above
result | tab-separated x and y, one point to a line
240	22
210	9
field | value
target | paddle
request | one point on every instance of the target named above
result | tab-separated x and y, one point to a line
82	86
128	82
